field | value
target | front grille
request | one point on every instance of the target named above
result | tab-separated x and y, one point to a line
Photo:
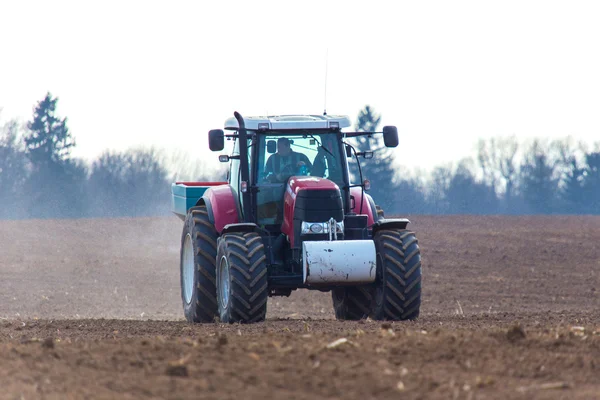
316	206
319	206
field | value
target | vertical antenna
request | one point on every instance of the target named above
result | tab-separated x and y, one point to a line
326	65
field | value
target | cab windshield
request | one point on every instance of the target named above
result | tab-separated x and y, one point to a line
280	156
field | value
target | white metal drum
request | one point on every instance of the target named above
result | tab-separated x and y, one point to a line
339	262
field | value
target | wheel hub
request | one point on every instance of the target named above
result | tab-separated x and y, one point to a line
188	267
224	283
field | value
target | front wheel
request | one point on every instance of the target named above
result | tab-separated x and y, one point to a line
398	285
242	285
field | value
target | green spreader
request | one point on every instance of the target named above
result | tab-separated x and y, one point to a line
185	195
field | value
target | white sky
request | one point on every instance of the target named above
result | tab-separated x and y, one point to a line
131	73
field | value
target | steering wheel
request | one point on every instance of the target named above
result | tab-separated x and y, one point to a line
288	170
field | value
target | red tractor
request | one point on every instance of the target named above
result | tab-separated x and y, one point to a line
290	218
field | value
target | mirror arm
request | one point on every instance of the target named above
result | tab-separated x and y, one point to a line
355	134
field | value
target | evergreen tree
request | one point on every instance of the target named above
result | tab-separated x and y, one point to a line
412	197
56	185
591	183
467	196
49	142
572	194
540	187
380	169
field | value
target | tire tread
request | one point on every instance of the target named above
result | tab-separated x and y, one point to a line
249	293
399	294
203	307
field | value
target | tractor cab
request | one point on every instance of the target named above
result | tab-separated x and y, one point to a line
284	150
308	157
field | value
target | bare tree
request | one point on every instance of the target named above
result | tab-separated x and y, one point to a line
498	162
438	187
134	183
13	170
183	166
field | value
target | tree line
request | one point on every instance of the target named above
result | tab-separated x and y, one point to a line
505	177
39	177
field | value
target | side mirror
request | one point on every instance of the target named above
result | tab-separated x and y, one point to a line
390	136
224	158
348	151
367	155
216	139
271	146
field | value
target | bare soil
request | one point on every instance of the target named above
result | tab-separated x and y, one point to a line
91	309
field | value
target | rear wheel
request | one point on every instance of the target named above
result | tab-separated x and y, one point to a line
352	303
197	266
398	285
242	285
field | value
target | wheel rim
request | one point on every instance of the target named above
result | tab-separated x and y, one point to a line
224	282
188	267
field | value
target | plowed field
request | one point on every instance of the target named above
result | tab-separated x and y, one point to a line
91	309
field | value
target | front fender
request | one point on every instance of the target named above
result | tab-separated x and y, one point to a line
367	208
396	223
241	227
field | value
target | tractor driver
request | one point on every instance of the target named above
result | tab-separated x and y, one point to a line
280	166
285	162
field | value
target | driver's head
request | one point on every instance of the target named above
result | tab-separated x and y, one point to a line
283	146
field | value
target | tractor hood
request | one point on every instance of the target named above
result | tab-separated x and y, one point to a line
298	183
309	199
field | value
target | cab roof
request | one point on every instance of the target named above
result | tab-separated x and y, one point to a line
291	122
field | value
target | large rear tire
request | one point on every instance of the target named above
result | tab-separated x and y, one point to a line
242	281
197	266
398	284
352	303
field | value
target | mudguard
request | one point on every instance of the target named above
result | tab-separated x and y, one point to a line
241	227
221	205
367	208
396	223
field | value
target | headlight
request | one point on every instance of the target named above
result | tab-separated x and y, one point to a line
320	227
316	228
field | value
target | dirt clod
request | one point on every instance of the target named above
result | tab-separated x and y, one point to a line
515	333
177	370
222	341
48	343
